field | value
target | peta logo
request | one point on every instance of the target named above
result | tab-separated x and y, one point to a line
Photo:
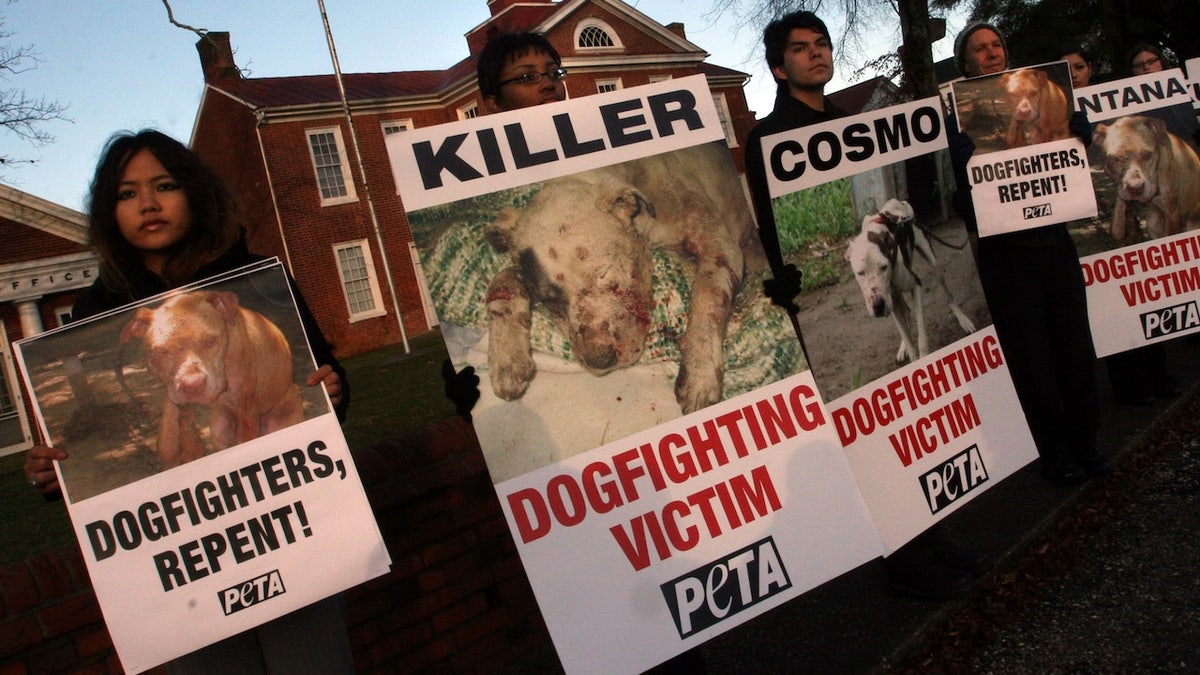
720	589
954	478
1037	211
252	592
1170	320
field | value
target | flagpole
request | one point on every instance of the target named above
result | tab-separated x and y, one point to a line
387	268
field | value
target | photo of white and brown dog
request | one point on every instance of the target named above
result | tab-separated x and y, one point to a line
1038	107
882	257
1152	167
210	352
582	249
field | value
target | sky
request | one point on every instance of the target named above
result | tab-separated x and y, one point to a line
121	64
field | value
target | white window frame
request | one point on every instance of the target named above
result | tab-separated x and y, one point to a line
597	23
343	163
468	111
403	124
613	84
726	119
16	396
371	279
431	317
660	78
63	314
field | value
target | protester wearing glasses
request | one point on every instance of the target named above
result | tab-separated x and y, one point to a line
1145	58
519	70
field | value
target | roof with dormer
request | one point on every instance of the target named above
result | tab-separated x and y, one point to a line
417	86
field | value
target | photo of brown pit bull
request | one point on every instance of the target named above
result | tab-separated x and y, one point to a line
210	352
1039	108
1153	167
582	249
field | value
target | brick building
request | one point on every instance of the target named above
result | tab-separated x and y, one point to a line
288	150
45	261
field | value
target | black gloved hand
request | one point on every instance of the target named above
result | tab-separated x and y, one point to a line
1081	127
462	388
961	147
783	289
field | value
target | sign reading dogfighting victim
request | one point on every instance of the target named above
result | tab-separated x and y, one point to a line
1139	263
1028	169
647	416
931	424
207	485
933	435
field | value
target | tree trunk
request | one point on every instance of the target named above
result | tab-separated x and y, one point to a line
916	50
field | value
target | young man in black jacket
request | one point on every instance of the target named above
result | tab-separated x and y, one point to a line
800	56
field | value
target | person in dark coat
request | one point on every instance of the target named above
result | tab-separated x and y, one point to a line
800	56
1035	292
160	218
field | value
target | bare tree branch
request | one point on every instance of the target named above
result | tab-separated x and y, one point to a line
21	113
202	32
852	22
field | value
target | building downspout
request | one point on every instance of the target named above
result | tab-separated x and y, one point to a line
362	170
287	253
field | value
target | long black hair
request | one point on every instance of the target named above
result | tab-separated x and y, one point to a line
215	223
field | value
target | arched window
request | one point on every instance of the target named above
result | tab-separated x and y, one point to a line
595	34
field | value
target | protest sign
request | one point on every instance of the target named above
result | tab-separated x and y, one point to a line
1028	169
210	490
1139	264
1192	69
648	418
933	423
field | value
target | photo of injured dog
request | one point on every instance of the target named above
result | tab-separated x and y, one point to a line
1146	175
1017	108
875	277
883	257
604	303
143	390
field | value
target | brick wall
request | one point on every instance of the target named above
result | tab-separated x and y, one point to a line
456	598
23	243
235	141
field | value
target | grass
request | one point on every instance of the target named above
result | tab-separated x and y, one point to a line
392	394
814	226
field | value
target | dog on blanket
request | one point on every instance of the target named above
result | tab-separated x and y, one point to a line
582	249
881	256
210	351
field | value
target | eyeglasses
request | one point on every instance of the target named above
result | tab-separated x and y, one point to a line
1142	65
556	75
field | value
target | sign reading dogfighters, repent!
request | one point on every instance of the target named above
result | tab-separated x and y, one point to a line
209	488
648	417
1028	170
1141	265
929	424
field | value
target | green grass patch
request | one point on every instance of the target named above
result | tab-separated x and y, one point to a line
28	523
391	395
814	225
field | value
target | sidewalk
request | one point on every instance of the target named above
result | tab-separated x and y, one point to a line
1125	597
1130	602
